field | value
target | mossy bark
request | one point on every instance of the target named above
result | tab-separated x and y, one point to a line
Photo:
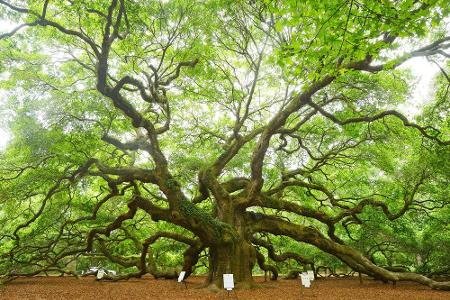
232	258
233	253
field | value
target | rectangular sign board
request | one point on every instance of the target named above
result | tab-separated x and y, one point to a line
181	276
100	274
228	282
310	275
305	280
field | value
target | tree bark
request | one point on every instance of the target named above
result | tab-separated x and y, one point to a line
233	258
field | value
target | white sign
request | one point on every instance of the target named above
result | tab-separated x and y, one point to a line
305	280
310	275
181	276
228	282
100	274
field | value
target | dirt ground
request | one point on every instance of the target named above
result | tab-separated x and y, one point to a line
149	288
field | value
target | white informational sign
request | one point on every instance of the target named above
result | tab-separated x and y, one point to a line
228	282
305	280
181	276
311	275
100	274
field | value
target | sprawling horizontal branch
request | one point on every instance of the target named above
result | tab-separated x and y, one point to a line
71	177
17	29
190	217
350	256
171	235
21	170
432	49
116	224
138	144
281	257
381	115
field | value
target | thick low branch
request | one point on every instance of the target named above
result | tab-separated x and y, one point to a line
265	267
350	256
281	257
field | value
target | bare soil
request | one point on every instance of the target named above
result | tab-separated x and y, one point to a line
149	288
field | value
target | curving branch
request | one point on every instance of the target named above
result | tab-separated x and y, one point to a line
381	115
350	256
265	267
284	256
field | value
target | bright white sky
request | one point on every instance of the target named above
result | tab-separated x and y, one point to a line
4	138
423	71
421	91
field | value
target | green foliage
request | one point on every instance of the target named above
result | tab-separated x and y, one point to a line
218	75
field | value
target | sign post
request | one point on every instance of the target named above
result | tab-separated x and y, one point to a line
310	275
100	274
228	283
305	282
181	278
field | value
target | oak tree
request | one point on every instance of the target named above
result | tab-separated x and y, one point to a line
225	126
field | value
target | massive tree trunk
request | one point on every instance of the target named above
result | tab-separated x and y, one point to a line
232	258
235	255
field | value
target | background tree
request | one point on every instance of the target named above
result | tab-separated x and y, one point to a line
216	126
